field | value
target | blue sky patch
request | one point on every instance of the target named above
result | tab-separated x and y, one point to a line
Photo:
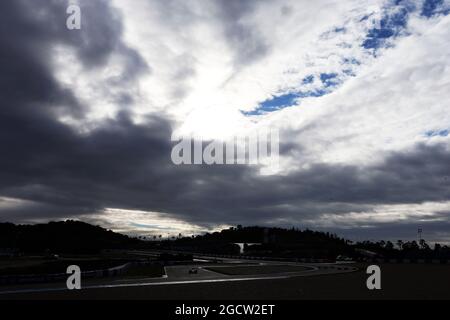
349	72
353	61
329	79
438	133
337	30
430	7
283	101
308	79
393	24
274	104
390	26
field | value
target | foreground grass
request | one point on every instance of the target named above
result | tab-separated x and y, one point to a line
59	266
149	271
257	269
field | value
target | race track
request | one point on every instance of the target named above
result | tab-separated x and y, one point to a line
229	271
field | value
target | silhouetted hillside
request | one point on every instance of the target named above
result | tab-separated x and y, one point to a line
273	241
61	237
78	237
294	243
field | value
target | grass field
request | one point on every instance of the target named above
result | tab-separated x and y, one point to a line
58	266
149	271
256	269
398	281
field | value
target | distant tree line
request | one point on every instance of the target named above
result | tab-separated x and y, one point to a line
62	237
79	237
296	243
406	249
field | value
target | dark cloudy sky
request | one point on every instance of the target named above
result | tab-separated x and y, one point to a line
358	89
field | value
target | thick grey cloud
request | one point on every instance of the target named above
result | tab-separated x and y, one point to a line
33	140
231	18
60	173
248	43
